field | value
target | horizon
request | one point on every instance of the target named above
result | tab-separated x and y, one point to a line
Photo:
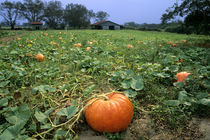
144	11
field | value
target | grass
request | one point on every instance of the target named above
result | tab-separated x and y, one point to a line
70	75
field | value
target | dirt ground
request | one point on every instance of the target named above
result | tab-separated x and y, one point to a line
143	129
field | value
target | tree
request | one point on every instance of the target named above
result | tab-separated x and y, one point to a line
101	16
53	14
77	15
10	12
131	24
191	10
32	10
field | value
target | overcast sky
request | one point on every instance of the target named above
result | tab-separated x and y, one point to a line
121	11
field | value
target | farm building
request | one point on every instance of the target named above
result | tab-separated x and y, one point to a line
36	25
106	25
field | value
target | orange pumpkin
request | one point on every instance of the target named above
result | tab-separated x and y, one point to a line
181	76
40	57
113	114
88	48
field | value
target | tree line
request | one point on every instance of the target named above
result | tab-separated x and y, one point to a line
196	15
52	13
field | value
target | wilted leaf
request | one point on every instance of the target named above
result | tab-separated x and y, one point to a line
69	111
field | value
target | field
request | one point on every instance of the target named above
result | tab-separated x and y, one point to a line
45	99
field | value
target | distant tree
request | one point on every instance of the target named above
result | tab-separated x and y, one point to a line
10	12
131	24
101	16
77	15
53	14
196	13
32	10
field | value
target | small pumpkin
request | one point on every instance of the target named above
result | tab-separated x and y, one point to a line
40	57
88	48
113	114
181	76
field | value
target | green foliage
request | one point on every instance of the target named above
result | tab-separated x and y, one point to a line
195	12
128	81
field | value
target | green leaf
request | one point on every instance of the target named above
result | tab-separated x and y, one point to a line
206	84
41	117
130	93
179	84
18	115
173	102
3	84
182	96
11	132
43	89
69	111
137	83
126	84
3	102
201	95
62	134
89	89
205	102
46	126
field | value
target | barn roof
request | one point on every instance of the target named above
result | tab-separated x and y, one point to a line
36	23
101	22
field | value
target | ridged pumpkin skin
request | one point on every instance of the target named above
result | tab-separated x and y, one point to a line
112	115
40	57
181	76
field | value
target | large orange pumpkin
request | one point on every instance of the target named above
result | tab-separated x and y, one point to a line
40	57
181	76
113	114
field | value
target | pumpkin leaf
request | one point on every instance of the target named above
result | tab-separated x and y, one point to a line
126	84
43	89
69	111
46	126
89	89
182	96
18	117
173	102
130	93
179	84
19	114
137	83
3	102
201	95
41	117
3	84
205	102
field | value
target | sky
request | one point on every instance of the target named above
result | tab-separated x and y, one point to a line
121	11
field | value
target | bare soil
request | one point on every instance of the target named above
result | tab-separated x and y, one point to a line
144	129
